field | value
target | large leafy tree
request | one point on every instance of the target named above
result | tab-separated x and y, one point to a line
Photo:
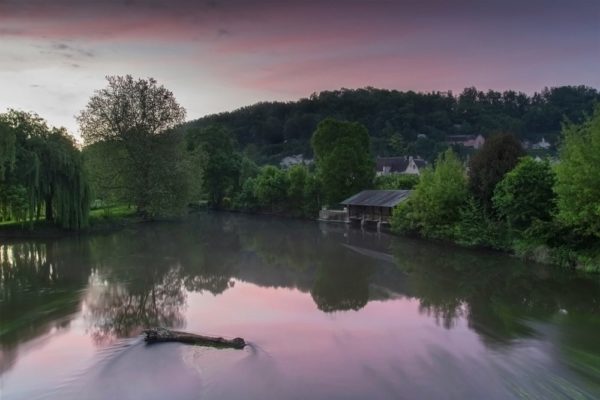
138	115
271	187
41	170
221	164
526	193
298	177
578	176
434	206
343	157
499	154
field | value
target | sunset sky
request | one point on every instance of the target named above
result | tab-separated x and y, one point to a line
219	55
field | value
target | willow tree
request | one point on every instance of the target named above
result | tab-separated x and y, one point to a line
138	116
41	170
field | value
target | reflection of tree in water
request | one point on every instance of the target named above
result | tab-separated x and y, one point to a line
294	254
141	276
118	310
209	260
136	283
40	289
341	286
501	298
277	253
498	295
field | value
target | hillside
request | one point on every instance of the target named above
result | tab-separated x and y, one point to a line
410	122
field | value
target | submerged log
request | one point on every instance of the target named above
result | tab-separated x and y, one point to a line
156	335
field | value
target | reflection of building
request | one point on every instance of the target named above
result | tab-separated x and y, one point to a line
374	206
400	165
473	141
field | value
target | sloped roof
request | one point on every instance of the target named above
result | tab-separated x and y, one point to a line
420	162
396	164
377	198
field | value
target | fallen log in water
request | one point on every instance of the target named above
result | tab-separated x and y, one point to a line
156	335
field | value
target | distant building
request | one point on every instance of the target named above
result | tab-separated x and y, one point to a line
473	141
542	144
399	165
374	206
296	159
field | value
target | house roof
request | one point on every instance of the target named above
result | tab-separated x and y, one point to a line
398	164
377	198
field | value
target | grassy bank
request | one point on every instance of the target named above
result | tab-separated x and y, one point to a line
102	219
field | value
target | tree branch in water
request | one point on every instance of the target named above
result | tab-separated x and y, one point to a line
156	335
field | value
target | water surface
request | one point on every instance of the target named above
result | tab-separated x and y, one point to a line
330	313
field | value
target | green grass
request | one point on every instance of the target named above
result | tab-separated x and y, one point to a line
23	225
112	214
100	216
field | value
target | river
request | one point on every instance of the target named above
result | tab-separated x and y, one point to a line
330	312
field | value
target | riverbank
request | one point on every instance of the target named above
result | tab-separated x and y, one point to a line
119	217
100	220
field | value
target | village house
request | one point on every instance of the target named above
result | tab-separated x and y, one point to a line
374	206
399	165
473	141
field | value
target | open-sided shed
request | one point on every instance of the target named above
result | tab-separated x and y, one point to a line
374	205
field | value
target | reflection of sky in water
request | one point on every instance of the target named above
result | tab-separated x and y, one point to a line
425	334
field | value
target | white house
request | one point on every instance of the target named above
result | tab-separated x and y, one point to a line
399	165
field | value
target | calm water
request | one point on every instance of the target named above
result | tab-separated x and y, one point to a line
330	312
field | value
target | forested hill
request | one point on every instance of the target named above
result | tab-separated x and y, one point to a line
398	120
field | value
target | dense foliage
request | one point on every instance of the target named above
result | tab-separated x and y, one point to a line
499	154
523	205
396	181
220	166
394	119
41	170
293	192
344	162
433	209
578	177
525	194
134	119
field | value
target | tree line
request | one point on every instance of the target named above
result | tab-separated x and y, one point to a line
506	200
404	122
139	152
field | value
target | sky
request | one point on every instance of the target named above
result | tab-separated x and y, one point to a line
219	55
